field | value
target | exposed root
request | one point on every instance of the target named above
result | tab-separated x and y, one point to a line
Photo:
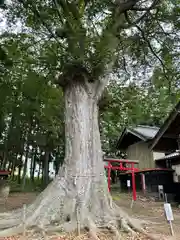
115	231
125	227
42	228
56	205
127	224
93	235
12	231
136	226
92	230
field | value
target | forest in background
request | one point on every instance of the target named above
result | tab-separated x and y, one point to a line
32	105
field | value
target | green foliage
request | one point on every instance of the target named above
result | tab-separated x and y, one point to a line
97	35
126	105
31	105
2	4
88	39
30	186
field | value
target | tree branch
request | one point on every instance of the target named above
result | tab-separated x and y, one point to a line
125	6
36	12
147	11
139	9
99	86
59	13
149	45
101	83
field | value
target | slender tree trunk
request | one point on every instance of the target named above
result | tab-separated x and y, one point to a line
9	166
39	171
19	173
57	160
78	196
25	167
5	157
14	163
34	165
32	161
46	169
26	158
13	172
6	152
20	166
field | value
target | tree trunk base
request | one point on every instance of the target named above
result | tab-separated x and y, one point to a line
62	210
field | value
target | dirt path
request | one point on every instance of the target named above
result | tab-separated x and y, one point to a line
148	209
16	200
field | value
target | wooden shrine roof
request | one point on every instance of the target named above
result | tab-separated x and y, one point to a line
166	139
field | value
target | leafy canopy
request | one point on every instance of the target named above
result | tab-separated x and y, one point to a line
85	39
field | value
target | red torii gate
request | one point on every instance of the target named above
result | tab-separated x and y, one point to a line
131	168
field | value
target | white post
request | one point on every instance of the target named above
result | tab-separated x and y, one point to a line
24	221
128	185
169	214
171	227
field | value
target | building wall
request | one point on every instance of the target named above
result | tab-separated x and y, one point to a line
176	173
140	151
158	155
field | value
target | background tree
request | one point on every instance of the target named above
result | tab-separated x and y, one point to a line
29	105
131	104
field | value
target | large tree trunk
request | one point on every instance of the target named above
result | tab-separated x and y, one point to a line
78	197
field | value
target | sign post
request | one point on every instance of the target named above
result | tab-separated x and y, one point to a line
128	185
169	214
161	192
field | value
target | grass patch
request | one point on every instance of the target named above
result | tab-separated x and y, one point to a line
30	186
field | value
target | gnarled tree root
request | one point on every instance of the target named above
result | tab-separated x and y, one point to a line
102	215
128	225
90	209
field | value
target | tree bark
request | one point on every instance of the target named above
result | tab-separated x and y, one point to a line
25	167
78	197
45	176
33	165
19	174
14	164
9	165
26	157
32	160
20	165
6	150
39	170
